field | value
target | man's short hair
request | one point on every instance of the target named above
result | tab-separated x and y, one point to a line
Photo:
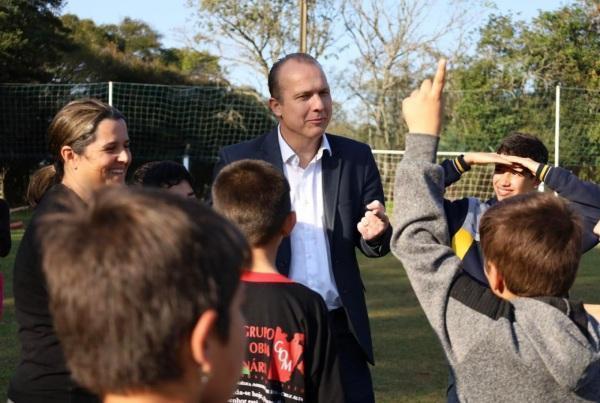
129	275
273	79
161	174
255	196
524	145
534	240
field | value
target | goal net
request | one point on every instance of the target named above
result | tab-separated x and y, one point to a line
475	183
164	122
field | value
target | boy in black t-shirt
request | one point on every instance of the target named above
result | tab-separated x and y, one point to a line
290	356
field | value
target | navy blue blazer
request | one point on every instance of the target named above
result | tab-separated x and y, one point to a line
350	181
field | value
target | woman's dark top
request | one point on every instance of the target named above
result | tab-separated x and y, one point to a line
41	375
4	228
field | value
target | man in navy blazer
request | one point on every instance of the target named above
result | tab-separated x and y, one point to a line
338	198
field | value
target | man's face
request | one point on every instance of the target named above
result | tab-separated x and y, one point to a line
509	182
304	104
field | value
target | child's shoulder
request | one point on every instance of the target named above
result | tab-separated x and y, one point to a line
275	285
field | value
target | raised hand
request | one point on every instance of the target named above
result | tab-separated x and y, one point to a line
486	158
375	221
527	163
422	110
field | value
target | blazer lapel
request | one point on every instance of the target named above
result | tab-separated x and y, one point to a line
272	154
331	166
271	151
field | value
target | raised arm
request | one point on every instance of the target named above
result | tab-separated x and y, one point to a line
420	239
454	168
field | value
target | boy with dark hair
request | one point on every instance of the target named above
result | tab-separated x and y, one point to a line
523	145
520	339
145	297
513	177
167	174
290	356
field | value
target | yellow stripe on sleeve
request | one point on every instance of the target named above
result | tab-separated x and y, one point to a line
460	167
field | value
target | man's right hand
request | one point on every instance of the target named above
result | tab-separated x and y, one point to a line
597	229
422	110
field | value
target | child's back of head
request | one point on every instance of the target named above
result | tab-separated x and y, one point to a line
131	276
254	195
534	242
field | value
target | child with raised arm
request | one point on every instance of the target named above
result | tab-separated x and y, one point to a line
289	355
521	339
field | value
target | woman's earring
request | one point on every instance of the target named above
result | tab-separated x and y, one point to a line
203	377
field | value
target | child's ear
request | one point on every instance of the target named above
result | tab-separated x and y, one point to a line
203	339
495	278
288	224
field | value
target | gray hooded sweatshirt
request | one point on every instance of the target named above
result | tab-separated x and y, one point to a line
525	350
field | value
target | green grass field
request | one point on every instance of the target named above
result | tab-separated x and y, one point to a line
410	366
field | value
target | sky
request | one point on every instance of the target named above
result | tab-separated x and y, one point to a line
174	19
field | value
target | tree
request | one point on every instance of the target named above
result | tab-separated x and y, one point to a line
490	98
32	40
138	38
262	31
393	47
197	66
510	84
131	51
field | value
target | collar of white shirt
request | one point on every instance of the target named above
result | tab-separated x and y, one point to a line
289	156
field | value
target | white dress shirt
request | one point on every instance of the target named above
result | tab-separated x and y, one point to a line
311	261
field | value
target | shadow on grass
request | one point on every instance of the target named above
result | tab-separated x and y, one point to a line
410	364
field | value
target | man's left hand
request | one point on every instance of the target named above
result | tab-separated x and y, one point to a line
375	222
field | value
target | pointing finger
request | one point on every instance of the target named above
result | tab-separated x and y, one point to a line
440	78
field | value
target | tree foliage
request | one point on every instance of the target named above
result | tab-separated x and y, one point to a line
393	41
131	51
39	45
32	40
261	31
509	84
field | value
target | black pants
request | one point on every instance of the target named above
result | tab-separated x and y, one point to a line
354	368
